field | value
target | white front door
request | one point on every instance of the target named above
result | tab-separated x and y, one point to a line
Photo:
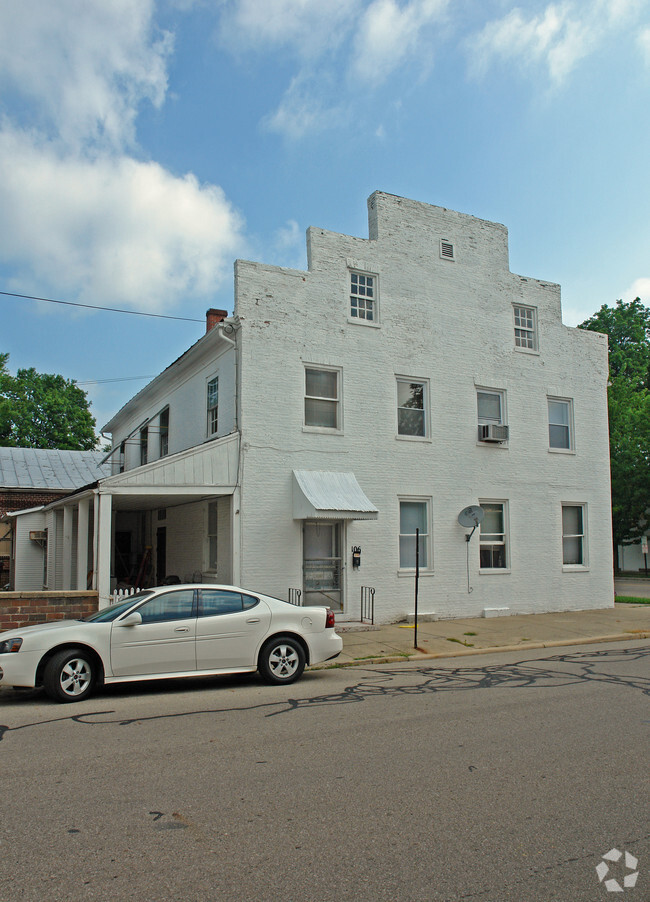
322	563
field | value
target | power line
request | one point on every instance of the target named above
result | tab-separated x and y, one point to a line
30	297
120	379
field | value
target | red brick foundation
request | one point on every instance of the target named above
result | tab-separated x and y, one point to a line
24	608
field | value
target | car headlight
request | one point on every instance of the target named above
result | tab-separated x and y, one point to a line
10	645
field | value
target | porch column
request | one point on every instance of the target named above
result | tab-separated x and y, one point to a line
103	547
235	537
82	543
68	512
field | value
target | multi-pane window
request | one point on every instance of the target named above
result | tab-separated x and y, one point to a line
493	537
213	406
212	535
490	407
560	433
164	432
122	457
322	402
573	534
144	445
363	296
413	515
525	327
411	408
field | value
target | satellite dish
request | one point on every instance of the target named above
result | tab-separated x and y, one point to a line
471	516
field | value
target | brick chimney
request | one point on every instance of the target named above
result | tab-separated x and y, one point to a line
214	317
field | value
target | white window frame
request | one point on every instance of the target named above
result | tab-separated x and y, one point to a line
212	410
360	295
413	380
492	421
427	538
583	536
144	445
504	542
569	425
527	339
163	433
337	401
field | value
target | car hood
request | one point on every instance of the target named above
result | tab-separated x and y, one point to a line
35	628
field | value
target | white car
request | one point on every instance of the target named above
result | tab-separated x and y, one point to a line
167	632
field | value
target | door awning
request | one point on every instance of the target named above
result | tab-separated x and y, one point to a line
322	494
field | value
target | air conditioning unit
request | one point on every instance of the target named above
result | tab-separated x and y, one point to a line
492	433
37	535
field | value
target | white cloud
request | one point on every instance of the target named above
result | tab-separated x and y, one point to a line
558	37
79	216
640	289
112	229
84	66
301	112
306	26
644	43
389	34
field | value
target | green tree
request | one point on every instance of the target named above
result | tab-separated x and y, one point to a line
628	396
39	410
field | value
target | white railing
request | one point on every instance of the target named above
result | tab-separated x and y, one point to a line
123	594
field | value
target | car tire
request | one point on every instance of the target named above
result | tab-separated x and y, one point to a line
282	660
69	675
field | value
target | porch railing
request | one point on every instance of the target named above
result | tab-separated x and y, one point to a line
367	604
123	594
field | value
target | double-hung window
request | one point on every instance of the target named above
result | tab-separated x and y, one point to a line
525	327
412	406
490	406
493	536
560	424
144	445
413	515
213	510
213	406
363	297
322	398
164	432
573	535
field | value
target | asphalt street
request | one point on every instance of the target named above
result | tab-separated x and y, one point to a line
495	778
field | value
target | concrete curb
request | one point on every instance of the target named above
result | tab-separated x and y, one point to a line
494	649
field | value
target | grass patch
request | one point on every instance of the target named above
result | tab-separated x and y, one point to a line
460	641
629	599
470	634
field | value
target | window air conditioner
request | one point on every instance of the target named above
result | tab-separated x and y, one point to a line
37	535
492	433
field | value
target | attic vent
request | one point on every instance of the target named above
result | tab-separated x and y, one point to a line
446	250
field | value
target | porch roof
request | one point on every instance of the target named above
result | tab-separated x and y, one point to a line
326	495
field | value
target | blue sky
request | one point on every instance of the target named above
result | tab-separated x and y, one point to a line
146	144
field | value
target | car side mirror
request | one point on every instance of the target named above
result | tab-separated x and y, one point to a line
132	619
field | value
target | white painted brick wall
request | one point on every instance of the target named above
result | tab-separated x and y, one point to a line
451	323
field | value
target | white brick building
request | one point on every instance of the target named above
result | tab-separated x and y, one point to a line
398	380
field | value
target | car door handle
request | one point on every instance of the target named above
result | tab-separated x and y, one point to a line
182	629
253	620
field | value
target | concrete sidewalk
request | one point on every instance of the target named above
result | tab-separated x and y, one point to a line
451	638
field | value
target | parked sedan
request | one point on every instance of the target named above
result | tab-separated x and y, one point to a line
179	631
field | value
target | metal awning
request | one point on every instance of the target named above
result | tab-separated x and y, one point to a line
324	495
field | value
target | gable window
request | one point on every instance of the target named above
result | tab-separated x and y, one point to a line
493	536
363	297
573	535
322	400
164	432
213	406
413	515
412	408
525	327
560	425
144	445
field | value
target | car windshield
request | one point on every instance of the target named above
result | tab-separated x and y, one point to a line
114	610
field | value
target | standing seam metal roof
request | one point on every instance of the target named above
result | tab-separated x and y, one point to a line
42	468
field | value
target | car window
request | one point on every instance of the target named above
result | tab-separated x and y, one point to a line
168	606
114	610
219	601
249	602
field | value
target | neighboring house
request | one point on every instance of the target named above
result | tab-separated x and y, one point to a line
398	380
29	479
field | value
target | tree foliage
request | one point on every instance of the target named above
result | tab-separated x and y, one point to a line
628	328
39	410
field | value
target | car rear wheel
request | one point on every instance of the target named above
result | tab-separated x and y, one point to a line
282	660
69	676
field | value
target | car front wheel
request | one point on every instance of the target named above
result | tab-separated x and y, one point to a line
69	676
282	660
